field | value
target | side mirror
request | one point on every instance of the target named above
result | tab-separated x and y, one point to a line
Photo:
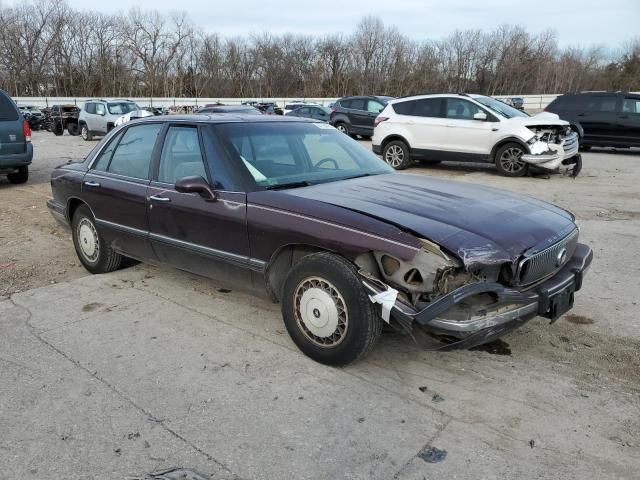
480	116
196	185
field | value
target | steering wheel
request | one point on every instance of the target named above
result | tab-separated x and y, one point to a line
327	160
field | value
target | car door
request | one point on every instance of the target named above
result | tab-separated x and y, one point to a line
472	138
599	118
424	123
101	118
358	115
115	188
628	129
188	231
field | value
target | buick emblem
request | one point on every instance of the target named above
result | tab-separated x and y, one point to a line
562	257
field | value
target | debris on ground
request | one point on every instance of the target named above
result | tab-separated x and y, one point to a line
432	454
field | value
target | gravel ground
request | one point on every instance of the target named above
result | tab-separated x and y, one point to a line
584	370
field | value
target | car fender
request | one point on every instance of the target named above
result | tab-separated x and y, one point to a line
339	117
508	139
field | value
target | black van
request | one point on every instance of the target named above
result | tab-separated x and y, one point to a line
608	119
16	151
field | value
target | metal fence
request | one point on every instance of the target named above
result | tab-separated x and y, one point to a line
532	103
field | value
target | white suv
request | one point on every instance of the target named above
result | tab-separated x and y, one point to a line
475	128
98	116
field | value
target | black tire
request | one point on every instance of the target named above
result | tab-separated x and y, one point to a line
73	129
84	230
85	133
366	137
507	160
58	129
585	148
326	278
430	162
342	127
396	154
21	176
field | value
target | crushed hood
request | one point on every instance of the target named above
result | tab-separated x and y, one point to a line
539	120
479	224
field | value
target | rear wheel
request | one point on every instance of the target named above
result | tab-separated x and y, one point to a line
58	129
327	311
85	133
73	129
342	128
21	176
508	160
94	253
396	154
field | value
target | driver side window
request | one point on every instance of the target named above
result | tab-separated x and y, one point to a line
458	109
325	155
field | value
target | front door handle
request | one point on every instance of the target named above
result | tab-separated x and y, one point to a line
92	184
156	198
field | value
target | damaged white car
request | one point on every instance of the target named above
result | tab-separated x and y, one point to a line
474	128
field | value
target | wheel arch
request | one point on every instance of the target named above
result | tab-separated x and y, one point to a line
73	203
281	263
504	141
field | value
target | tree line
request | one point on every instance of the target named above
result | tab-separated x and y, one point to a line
50	49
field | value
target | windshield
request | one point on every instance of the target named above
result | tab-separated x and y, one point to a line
120	108
277	154
501	108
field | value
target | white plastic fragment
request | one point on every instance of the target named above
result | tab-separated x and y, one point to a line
387	299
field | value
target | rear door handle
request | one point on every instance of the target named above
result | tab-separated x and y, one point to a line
92	184
156	198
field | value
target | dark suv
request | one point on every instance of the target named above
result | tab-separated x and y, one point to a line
355	115
603	119
16	151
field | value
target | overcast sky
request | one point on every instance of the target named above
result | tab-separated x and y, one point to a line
577	22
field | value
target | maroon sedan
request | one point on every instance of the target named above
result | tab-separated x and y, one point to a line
293	210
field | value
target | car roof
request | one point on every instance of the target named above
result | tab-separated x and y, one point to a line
223	118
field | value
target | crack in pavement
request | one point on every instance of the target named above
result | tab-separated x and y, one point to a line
114	389
429	443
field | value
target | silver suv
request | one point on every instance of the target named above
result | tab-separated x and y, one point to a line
98	116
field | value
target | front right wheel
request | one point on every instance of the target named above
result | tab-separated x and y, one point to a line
327	311
508	160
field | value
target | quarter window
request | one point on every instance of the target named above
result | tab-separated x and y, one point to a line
102	163
181	155
426	107
459	109
133	154
91	108
631	105
602	104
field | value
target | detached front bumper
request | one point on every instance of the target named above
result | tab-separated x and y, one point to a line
512	307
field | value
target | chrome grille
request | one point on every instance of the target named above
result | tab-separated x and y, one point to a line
570	144
542	264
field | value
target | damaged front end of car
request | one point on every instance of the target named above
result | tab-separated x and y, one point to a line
469	302
554	147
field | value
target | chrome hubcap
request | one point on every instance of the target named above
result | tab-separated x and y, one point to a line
321	313
510	160
88	240
394	156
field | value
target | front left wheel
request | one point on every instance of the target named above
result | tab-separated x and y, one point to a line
94	253
327	311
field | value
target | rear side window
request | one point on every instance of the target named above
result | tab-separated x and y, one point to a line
631	105
8	109
100	110
343	103
181	155
426	107
133	154
375	107
565	102
602	104
358	104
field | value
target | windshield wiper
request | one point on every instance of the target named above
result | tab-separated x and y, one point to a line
281	186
